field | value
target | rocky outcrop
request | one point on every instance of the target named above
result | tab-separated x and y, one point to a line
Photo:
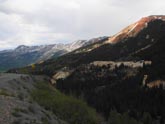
156	83
132	64
61	75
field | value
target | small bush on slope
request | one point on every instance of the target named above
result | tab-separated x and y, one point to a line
125	118
117	118
68	108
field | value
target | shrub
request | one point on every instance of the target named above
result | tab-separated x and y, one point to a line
117	118
17	112
4	92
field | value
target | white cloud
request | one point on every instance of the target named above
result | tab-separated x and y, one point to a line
33	22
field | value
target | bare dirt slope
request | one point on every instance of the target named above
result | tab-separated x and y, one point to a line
16	105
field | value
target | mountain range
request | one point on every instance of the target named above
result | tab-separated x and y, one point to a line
27	55
126	45
122	77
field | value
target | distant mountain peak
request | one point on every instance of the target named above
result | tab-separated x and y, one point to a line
162	17
21	47
133	29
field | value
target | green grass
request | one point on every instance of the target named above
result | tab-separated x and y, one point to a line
17	112
20	110
4	92
67	108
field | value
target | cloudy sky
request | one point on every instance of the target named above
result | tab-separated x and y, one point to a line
36	22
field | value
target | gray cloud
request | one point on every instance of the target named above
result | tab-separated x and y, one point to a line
33	22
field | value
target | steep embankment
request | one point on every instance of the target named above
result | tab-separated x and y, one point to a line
16	104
